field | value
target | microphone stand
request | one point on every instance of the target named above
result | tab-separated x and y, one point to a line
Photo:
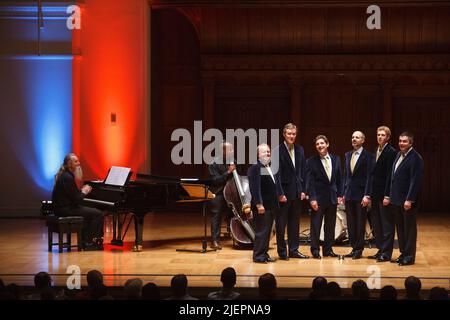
204	248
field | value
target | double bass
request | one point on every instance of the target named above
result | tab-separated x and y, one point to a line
237	195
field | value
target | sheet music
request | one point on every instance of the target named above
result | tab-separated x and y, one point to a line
117	176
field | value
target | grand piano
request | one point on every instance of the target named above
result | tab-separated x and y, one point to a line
136	198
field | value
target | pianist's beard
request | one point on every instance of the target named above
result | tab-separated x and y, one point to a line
78	173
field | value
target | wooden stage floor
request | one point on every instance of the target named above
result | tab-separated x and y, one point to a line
24	252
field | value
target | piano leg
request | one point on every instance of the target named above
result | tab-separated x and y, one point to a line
117	230
139	227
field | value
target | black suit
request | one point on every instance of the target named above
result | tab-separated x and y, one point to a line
325	191
405	183
291	184
219	176
381	218
356	186
263	191
67	199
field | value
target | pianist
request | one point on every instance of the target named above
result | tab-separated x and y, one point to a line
67	198
221	170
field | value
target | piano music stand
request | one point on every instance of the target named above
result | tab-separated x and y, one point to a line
204	248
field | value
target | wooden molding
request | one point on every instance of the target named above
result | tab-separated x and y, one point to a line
330	63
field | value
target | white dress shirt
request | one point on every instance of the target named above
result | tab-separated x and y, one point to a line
326	160
289	152
270	172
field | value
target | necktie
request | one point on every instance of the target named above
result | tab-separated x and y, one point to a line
400	159
327	167
291	153
353	161
379	153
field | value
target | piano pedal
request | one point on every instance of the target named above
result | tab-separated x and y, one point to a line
137	248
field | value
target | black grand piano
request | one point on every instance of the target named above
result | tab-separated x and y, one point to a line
136	198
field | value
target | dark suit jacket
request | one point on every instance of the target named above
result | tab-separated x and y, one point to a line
405	182
380	172
219	176
292	180
358	184
262	187
65	192
318	186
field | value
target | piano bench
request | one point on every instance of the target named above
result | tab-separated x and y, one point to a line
65	225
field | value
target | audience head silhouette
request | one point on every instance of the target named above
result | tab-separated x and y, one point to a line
360	290
388	293
228	278
412	287
267	286
179	285
150	292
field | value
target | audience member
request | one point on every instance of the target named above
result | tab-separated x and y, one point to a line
42	281
133	289
150	292
360	291
388	293
179	285
412	287
228	279
319	286
333	290
438	293
267	286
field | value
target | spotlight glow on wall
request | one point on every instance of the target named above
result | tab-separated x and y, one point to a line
46	99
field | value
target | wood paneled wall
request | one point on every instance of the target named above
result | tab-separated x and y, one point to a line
322	30
176	94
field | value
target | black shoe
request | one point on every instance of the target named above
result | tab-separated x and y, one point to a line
259	261
375	256
398	260
286	258
330	254
216	245
406	262
382	258
357	255
298	255
316	256
350	255
269	259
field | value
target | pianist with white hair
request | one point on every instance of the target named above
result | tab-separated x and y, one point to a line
67	198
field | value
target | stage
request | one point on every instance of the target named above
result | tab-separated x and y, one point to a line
24	253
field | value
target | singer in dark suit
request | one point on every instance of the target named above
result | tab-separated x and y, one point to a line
263	189
221	170
357	192
292	169
383	225
324	187
403	195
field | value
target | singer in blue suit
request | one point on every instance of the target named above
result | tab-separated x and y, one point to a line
357	192
383	225
292	169
403	196
324	187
